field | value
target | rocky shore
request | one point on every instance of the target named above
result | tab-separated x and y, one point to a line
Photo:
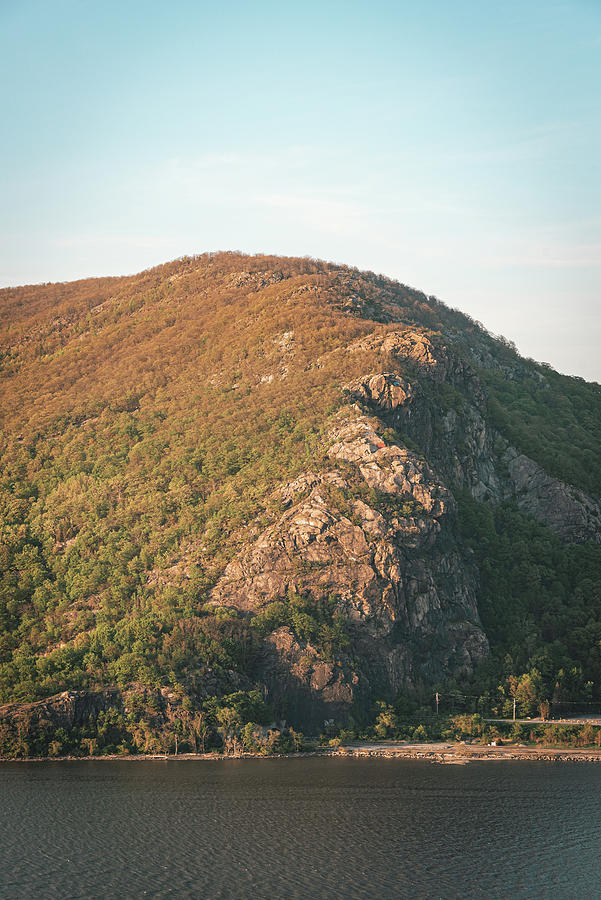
459	754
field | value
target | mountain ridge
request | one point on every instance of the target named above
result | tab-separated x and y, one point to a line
234	474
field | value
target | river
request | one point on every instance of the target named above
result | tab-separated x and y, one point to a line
299	828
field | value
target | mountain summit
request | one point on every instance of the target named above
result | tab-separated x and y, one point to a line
264	487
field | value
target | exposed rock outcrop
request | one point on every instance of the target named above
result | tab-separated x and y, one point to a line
384	545
396	576
459	441
23	725
62	710
30	728
386	391
571	513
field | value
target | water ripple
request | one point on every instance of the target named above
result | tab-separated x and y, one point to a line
299	829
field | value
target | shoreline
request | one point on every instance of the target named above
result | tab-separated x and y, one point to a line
441	753
462	754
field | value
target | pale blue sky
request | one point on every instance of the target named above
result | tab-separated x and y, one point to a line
452	144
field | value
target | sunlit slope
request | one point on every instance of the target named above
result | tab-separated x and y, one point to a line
154	428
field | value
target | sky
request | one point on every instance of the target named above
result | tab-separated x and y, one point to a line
454	145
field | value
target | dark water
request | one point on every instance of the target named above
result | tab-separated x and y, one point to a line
299	828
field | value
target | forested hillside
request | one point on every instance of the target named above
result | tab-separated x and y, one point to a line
240	490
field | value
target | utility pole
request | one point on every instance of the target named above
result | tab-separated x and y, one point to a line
514	709
436	702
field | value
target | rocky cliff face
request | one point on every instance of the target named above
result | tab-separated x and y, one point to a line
377	533
26	729
408	596
62	711
457	438
23	725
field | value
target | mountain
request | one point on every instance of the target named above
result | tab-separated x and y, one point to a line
243	489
